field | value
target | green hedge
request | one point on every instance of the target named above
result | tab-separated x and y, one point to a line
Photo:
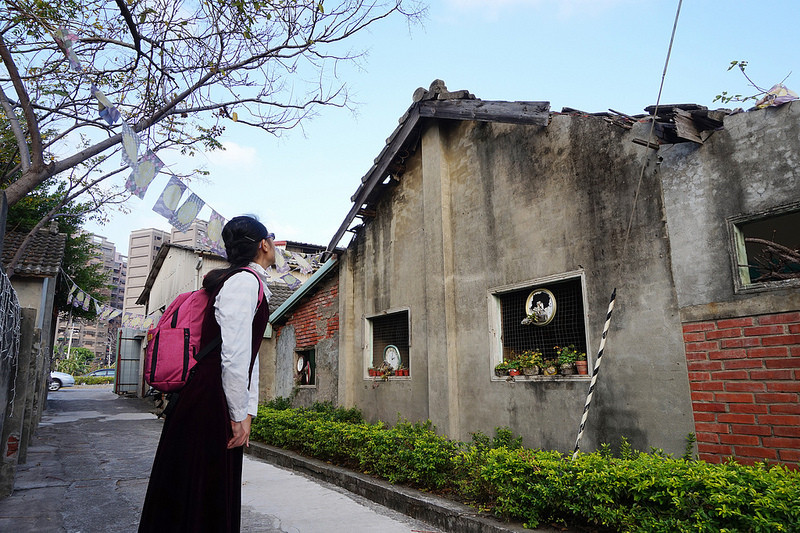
637	492
93	380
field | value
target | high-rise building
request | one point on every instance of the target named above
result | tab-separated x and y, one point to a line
99	336
142	250
143	246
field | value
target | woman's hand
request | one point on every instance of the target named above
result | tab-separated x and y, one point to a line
241	433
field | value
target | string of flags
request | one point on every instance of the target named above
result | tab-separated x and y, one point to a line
180	214
77	297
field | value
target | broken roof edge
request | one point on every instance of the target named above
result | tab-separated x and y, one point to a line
436	103
297	295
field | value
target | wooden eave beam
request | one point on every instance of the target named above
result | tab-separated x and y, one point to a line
537	113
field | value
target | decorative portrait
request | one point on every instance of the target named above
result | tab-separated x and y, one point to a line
540	307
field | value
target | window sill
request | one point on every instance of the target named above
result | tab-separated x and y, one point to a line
389	378
557	377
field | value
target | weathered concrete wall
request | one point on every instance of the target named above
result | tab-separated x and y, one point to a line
29	292
20	395
284	364
483	206
749	167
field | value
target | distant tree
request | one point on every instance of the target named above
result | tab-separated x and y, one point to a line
76	362
80	250
176	71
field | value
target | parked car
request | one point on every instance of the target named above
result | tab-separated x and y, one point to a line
102	373
60	379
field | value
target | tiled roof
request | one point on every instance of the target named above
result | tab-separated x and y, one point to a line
42	256
280	293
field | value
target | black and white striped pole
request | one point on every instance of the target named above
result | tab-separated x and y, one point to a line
595	371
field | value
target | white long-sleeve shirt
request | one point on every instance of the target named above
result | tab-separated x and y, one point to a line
234	309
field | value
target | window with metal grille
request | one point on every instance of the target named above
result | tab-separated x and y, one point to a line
767	248
538	316
565	327
389	341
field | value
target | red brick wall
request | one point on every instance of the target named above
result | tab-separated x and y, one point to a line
316	317
744	375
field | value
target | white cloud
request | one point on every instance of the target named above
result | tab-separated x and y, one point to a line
234	156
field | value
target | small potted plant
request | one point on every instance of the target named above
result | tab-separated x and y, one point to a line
582	364
513	368
531	362
549	367
501	369
567	356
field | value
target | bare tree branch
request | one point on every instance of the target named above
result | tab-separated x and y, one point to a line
203	61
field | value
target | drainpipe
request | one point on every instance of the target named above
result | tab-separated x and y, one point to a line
198	267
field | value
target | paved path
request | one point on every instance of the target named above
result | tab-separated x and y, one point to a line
88	467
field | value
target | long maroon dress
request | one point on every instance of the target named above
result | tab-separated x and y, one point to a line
196	482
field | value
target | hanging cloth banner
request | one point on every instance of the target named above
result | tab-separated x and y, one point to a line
139	180
71	292
281	265
130	146
65	39
86	302
213	236
78	300
106	109
291	281
114	314
170	197
302	262
185	215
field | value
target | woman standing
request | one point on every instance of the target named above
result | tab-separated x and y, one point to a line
196	482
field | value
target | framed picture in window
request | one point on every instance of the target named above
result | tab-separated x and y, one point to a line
540	307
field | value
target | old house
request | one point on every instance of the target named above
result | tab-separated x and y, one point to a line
474	207
306	342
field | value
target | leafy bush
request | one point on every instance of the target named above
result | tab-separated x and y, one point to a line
279	403
633	492
93	380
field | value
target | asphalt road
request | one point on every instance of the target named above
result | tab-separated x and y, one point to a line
88	468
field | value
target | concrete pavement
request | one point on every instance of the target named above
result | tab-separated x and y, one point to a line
88	468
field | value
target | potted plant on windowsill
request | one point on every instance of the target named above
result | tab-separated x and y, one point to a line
501	369
567	356
530	361
549	367
582	365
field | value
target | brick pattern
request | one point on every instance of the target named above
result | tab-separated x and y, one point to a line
316	317
744	375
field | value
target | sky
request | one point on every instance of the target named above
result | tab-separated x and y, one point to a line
591	55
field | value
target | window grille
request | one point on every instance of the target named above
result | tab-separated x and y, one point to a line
567	326
390	329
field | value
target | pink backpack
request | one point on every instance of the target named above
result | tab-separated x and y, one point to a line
173	345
